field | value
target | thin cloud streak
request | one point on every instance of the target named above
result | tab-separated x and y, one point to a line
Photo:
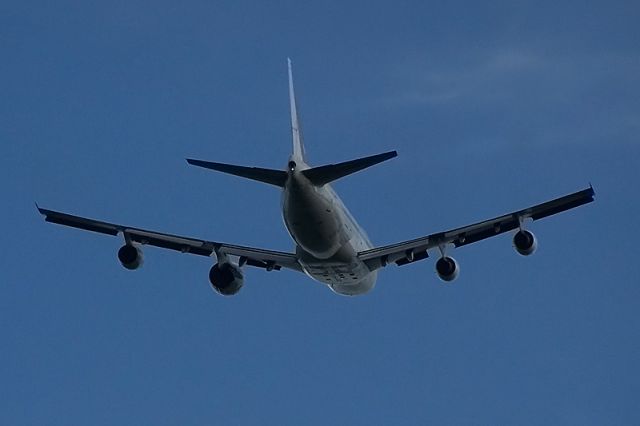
505	74
552	99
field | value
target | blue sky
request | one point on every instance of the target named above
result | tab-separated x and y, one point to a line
492	107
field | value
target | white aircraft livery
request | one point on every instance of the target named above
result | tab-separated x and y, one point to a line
330	246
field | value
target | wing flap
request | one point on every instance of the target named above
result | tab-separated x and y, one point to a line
184	245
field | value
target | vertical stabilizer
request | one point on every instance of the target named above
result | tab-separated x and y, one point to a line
296	131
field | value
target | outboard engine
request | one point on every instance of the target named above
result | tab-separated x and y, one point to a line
130	256
227	278
447	268
525	242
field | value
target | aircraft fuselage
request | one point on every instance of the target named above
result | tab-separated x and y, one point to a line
327	236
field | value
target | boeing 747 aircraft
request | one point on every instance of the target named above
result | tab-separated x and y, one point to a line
330	246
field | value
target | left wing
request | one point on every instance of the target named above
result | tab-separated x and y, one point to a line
267	259
409	251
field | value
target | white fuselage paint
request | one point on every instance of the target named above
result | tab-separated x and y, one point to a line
327	236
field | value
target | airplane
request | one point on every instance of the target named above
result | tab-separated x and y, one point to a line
330	246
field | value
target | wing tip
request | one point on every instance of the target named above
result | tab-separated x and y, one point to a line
40	209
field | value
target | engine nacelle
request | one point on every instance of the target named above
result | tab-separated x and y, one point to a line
130	256
227	279
525	242
447	268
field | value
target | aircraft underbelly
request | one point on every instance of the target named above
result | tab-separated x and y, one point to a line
344	273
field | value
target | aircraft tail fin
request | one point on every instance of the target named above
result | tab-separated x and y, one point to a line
270	176
324	174
296	130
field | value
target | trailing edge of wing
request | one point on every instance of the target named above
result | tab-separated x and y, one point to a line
324	174
270	176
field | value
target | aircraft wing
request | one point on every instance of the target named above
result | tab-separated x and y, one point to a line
267	259
412	250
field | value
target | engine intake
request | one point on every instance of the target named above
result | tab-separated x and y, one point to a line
130	256
447	268
227	279
525	242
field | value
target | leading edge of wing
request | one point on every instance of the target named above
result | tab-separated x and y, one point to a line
254	256
416	249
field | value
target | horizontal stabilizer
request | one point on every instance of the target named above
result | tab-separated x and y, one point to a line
324	174
270	176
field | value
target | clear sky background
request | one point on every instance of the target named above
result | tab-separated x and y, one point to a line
492	107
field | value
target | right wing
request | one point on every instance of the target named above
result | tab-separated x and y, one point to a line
261	258
412	250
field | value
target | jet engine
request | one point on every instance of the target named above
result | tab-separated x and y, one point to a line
525	242
447	268
130	256
227	278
